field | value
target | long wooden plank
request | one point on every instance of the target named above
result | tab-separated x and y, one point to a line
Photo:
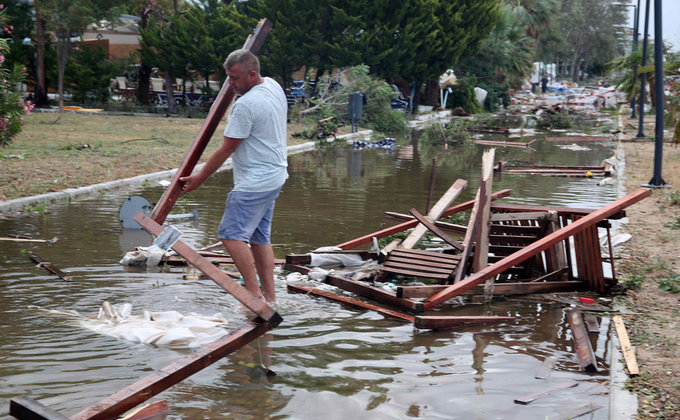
348	301
241	294
433	322
519	288
171	374
536	247
540	394
584	350
435	212
434	229
561	211
224	98
364	289
411	223
626	348
148	411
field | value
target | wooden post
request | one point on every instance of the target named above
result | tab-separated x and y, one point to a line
536	247
217	110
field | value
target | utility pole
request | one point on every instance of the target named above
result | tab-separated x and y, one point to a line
643	76
657	181
636	16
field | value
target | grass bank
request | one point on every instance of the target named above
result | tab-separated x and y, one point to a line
56	151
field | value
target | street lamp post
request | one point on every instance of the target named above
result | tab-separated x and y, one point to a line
641	122
636	16
657	181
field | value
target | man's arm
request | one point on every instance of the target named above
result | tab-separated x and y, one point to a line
216	160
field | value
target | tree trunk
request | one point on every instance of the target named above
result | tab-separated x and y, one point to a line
63	45
143	92
431	96
39	88
575	66
170	92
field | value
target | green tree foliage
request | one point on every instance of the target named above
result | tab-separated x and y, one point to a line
505	57
12	106
210	30
287	45
68	19
89	72
413	40
589	29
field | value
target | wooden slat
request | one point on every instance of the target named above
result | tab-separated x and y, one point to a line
171	374
450	228
416	273
540	394
389	265
497	229
411	223
626	348
422	262
504	217
511	239
434	229
219	107
446	322
241	294
348	301
435	212
517	288
584	350
419	253
536	247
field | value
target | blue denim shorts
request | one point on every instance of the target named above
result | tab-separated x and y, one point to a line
248	216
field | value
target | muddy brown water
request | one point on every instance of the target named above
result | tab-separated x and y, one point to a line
332	362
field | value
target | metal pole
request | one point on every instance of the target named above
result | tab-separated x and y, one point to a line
656	180
636	16
643	76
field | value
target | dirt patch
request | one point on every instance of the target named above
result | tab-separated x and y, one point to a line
650	267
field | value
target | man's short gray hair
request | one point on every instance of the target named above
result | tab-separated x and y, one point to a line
244	57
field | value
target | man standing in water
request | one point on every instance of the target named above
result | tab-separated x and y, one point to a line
255	138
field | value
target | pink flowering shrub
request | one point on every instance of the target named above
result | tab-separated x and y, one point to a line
13	108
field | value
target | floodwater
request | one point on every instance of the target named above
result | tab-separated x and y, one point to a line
331	362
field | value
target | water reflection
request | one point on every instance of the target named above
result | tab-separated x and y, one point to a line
331	362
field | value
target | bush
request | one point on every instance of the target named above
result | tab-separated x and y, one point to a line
463	96
454	132
12	105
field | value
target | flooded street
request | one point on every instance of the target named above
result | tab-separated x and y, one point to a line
331	362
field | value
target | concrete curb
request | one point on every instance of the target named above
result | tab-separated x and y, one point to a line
19	205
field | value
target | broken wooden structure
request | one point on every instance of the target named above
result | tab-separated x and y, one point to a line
506	249
267	318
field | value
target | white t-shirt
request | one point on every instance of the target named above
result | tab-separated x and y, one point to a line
259	118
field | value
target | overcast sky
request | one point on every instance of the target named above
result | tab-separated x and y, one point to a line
671	14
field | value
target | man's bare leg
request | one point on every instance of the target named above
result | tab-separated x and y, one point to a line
264	264
243	259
